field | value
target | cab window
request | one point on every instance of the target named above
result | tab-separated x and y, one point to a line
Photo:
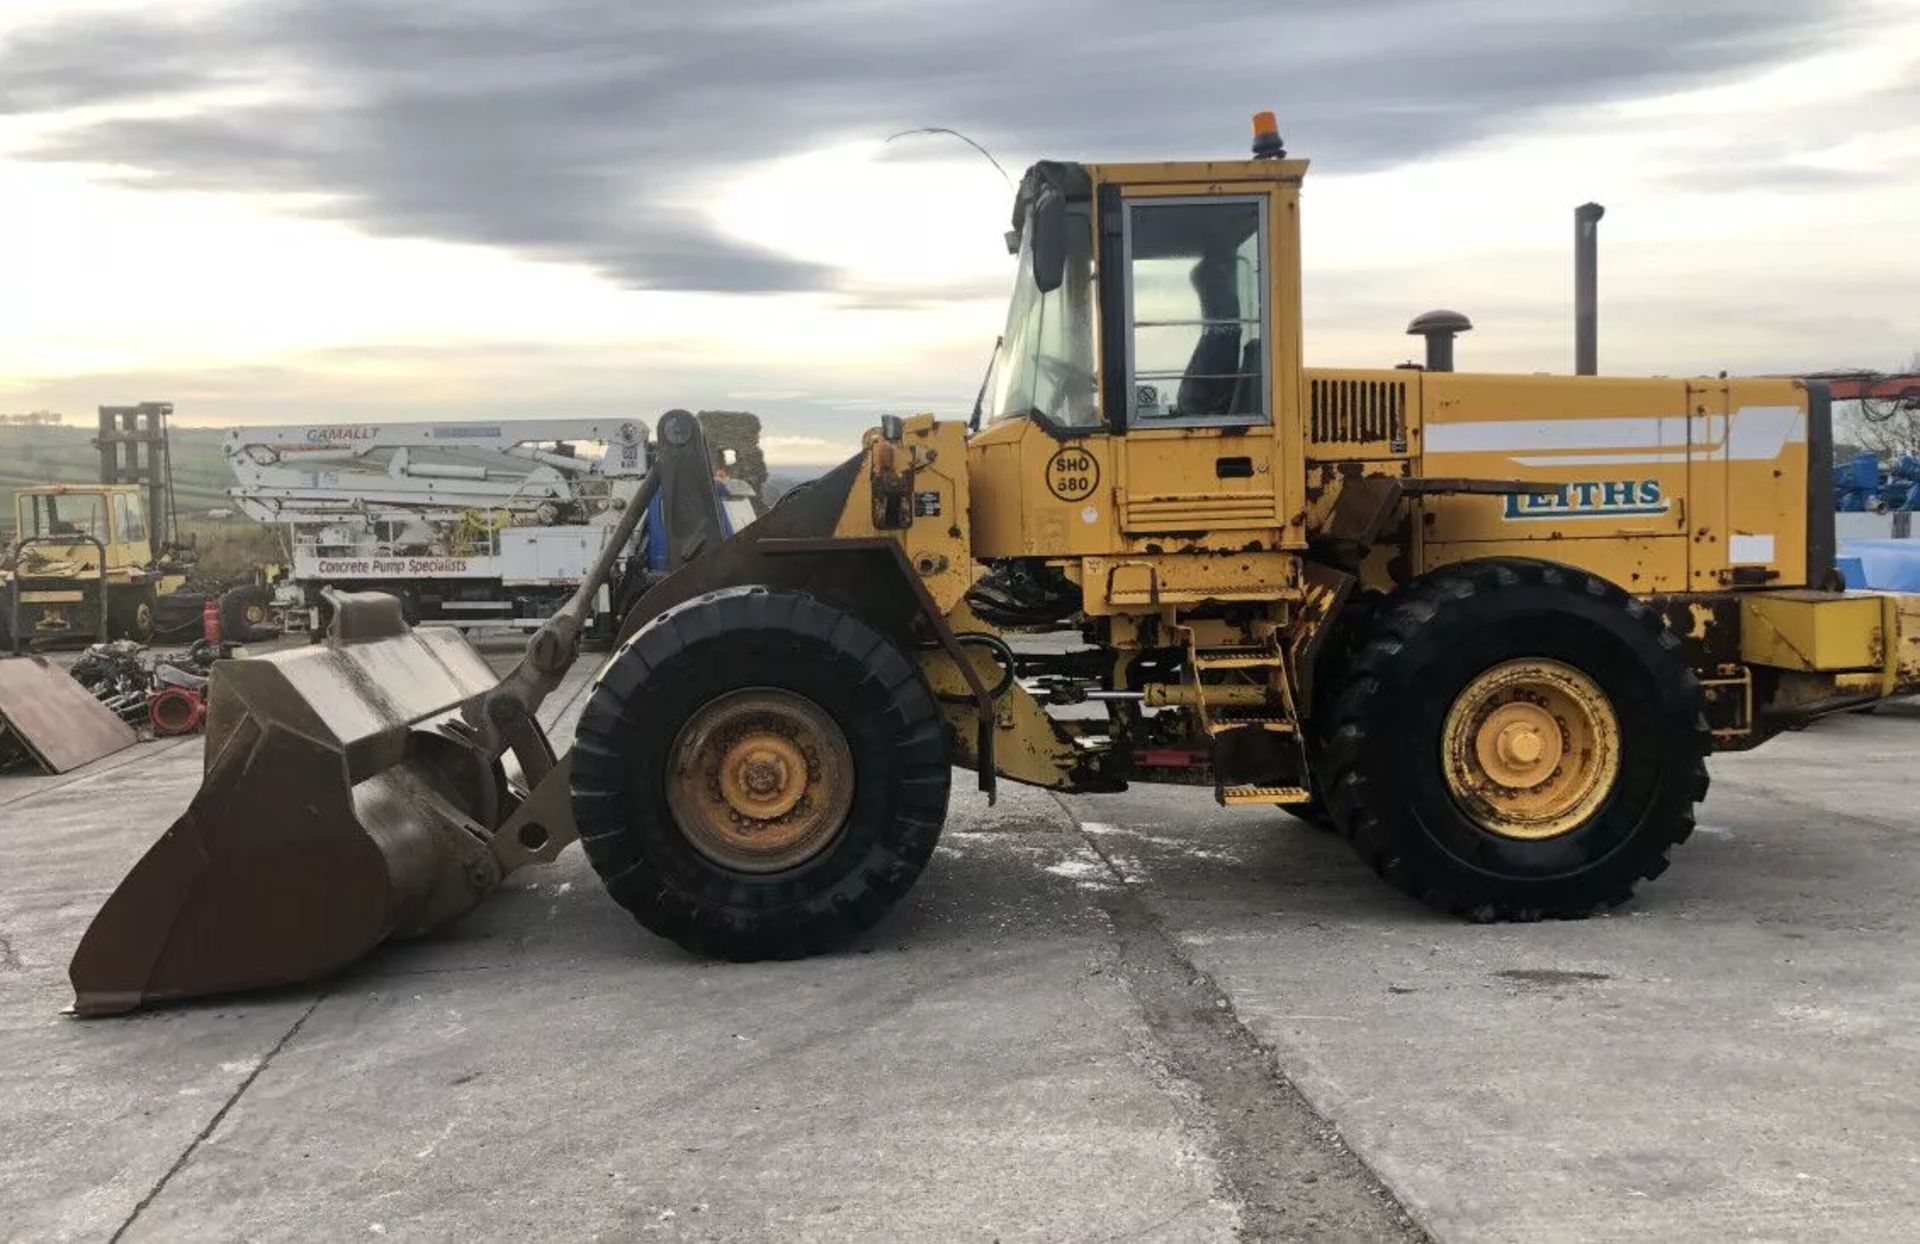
129	519
80	514
1196	311
1044	366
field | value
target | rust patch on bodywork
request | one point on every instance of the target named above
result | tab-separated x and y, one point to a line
1362	509
1707	626
1325	589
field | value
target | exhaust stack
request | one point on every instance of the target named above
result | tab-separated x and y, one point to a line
1439	328
1586	294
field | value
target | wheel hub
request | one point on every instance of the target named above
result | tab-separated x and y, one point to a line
763	775
762	780
1519	744
1531	748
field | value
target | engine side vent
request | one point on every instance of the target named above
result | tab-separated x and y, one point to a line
1346	412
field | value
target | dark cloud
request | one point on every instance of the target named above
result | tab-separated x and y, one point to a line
588	132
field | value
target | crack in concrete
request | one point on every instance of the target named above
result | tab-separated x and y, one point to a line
1283	1164
193	1145
9	960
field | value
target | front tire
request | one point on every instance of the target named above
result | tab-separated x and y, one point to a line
1517	739
1313	814
130	615
759	775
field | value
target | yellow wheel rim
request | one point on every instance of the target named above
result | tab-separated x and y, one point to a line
761	780
1531	748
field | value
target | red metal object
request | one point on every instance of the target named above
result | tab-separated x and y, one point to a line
176	710
1172	757
1870	386
210	622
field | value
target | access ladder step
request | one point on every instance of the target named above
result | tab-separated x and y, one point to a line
1250	719
1236	657
1238	796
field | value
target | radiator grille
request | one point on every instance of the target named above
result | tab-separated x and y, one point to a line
1354	411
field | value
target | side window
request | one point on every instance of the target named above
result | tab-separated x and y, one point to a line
129	521
1197	310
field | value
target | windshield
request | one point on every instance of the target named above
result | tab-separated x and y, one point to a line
72	514
1045	364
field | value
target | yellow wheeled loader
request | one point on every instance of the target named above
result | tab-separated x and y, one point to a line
1488	627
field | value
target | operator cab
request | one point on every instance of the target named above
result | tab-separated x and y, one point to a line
1155	306
1194	294
65	522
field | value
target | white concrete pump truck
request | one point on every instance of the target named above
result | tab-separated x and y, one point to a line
480	523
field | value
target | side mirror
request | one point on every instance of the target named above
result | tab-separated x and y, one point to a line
1048	224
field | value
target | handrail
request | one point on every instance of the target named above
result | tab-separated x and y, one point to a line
19	568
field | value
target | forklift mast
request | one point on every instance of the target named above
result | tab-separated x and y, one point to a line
134	450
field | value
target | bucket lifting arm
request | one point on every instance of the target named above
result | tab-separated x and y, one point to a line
495	715
502	719
683	461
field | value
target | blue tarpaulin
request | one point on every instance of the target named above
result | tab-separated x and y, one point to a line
1883	565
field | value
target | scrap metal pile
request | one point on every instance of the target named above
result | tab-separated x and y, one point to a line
167	691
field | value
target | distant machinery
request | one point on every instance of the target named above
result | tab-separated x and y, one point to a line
479	523
1877	499
1864	485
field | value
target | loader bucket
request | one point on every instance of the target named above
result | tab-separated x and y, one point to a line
343	803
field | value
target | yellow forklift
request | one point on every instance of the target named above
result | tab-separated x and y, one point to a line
82	567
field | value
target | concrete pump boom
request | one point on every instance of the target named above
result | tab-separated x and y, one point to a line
319	472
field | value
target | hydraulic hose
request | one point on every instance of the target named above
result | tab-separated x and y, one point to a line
1001	652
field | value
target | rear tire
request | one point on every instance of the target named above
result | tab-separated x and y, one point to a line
792	651
1397	797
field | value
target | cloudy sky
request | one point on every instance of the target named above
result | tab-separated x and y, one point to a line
360	209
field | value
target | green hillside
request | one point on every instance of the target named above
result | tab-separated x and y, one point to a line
66	455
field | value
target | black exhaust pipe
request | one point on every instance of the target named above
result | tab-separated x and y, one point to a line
1586	293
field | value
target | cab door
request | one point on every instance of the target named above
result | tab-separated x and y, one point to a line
129	546
1202	407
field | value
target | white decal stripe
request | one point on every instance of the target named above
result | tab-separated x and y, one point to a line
1752	434
1759	433
1562	460
1496	435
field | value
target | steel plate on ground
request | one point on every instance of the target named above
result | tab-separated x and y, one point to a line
54	718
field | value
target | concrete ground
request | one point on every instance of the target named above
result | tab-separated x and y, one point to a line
1130	1017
